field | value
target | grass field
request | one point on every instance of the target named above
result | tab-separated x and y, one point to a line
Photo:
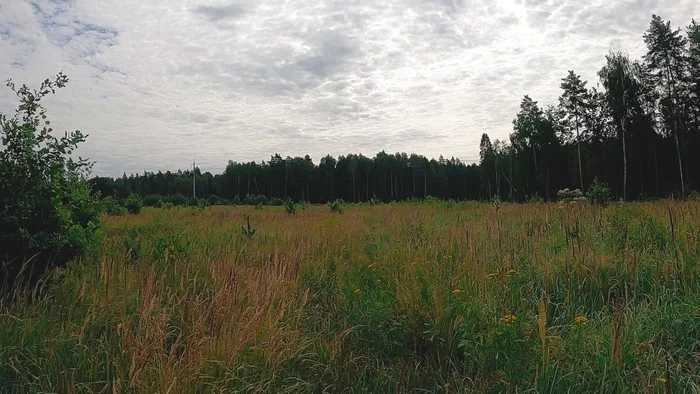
409	297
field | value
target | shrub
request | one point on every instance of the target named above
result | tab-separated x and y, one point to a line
277	202
599	193
46	211
567	196
133	204
336	206
151	200
110	206
214	200
177	199
290	207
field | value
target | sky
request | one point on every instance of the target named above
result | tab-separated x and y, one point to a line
158	83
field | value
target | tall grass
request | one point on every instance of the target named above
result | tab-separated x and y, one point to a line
386	298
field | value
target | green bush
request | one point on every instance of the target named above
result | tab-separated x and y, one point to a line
47	214
277	202
214	200
133	204
111	206
290	207
336	206
151	200
599	193
177	199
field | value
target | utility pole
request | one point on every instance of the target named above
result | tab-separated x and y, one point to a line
194	179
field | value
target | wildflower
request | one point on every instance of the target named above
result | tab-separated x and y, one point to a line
509	319
457	291
662	380
582	320
358	291
491	275
371	266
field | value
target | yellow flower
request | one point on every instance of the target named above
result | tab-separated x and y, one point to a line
662	380
509	319
510	272
457	291
371	266
357	291
582	320
491	276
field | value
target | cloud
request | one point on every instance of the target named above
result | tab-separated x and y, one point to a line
217	13
158	83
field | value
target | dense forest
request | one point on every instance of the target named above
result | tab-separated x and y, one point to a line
638	134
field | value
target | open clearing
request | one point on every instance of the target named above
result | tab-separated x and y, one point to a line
439	296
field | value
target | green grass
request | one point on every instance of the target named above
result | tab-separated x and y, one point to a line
436	297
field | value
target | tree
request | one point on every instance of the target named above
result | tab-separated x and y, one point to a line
618	78
526	127
574	103
486	157
665	57
47	214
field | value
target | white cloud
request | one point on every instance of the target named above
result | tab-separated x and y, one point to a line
156	83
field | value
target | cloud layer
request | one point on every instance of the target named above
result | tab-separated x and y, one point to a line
157	83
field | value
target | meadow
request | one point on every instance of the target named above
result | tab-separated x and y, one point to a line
401	297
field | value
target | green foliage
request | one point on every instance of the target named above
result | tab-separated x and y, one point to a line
336	206
177	199
599	193
214	200
151	200
133	204
276	202
567	196
112	207
290	207
248	230
46	210
250	199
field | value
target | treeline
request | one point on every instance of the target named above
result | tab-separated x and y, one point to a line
638	134
353	178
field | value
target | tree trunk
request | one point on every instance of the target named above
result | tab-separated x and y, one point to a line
624	160
578	143
680	163
534	155
425	184
354	196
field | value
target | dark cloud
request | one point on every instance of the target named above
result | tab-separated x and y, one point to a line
217	13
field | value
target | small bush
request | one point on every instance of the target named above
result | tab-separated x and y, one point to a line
151	200
110	206
277	202
599	193
214	200
567	196
133	204
290	207
336	206
177	199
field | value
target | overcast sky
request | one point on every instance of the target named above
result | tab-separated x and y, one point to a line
156	83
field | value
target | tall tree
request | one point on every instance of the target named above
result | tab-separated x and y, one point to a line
527	126
618	77
665	57
573	103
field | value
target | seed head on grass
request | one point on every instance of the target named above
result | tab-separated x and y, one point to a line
357	291
509	319
457	291
581	320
